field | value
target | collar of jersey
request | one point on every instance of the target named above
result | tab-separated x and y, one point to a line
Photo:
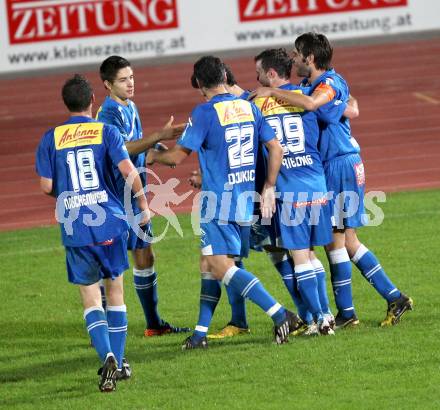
79	118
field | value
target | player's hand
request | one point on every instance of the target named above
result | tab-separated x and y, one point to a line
268	202
170	131
159	147
149	159
260	92
145	216
195	179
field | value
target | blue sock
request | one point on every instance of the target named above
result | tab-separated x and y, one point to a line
117	330
237	302
97	327
371	269
284	265
249	286
210	293
308	288
145	283
322	285
103	297
340	269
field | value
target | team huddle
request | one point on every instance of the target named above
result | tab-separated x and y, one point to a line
282	155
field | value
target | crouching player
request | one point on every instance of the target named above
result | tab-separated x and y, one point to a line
72	160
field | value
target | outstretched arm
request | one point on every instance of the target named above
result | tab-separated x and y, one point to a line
168	132
307	102
173	156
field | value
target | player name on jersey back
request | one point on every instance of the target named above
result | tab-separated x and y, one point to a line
76	135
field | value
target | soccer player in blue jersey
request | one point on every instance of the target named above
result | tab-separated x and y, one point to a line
118	109
280	258
225	132
72	161
301	183
345	177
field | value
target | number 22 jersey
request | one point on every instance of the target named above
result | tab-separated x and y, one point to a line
225	132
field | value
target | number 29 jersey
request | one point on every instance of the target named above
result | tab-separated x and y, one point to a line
298	133
225	132
77	156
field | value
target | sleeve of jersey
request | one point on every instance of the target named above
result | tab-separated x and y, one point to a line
43	161
113	117
265	131
195	131
115	144
326	89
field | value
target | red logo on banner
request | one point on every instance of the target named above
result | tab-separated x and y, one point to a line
269	9
43	20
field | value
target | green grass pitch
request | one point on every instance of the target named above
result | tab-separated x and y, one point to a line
46	361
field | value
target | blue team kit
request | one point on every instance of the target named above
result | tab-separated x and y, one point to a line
76	156
226	132
126	119
343	167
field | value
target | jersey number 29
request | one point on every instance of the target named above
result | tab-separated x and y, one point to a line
290	133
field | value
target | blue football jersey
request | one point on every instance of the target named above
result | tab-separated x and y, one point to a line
225	132
298	133
336	139
126	119
76	156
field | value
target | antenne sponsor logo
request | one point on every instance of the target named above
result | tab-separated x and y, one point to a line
43	20
271	102
229	112
268	9
273	105
81	134
235	111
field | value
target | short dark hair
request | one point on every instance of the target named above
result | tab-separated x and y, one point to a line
77	93
110	67
318	45
209	71
277	59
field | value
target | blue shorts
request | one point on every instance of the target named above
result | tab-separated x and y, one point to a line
88	264
302	226
345	177
142	239
224	239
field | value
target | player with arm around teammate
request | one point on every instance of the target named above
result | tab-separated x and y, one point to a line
303	214
345	176
72	161
225	132
118	109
